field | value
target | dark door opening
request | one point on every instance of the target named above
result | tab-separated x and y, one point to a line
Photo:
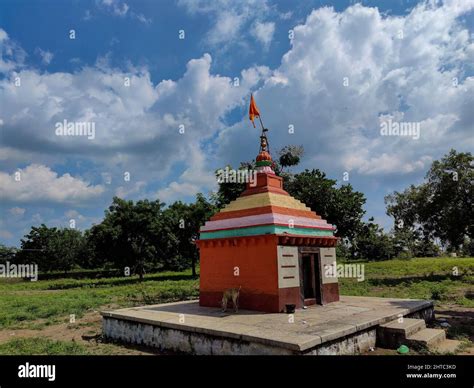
308	287
311	283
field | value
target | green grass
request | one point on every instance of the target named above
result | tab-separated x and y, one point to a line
33	305
424	278
36	304
41	346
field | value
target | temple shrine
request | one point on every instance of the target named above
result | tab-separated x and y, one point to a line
270	246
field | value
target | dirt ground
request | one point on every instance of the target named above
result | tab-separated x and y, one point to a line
87	331
461	320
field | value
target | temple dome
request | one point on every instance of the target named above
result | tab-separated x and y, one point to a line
264	155
266	208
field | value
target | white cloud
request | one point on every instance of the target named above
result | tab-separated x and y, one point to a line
176	190
130	188
232	19
17	211
121	9
116	7
227	26
81	221
198	177
264	32
37	183
410	77
45	55
3	35
137	126
141	18
12	56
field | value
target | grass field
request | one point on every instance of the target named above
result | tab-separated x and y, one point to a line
423	278
38	304
35	316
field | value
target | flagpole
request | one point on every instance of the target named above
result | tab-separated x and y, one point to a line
253	111
263	133
261	123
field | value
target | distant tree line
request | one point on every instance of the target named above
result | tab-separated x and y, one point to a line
430	218
138	235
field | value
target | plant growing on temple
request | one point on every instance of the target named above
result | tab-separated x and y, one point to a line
290	156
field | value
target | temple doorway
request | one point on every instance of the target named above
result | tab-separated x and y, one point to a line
310	277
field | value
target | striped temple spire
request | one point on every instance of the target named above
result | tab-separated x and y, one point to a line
265	208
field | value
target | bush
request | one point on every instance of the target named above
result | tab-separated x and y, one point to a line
439	292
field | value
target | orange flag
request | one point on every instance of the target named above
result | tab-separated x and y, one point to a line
253	110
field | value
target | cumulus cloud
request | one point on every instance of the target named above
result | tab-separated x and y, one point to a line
263	32
11	54
198	177
227	26
126	190
45	55
232	19
347	69
37	183
140	127
344	72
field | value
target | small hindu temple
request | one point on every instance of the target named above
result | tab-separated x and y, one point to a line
270	246
269	253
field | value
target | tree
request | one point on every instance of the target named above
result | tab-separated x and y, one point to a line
135	235
52	249
228	191
372	243
67	247
7	254
441	207
88	257
341	206
186	220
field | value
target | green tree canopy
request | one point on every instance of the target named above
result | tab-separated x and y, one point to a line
341	206
441	207
53	249
185	222
135	235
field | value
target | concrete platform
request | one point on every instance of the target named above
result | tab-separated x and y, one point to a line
344	327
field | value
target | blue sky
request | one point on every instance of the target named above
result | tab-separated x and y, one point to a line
348	67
